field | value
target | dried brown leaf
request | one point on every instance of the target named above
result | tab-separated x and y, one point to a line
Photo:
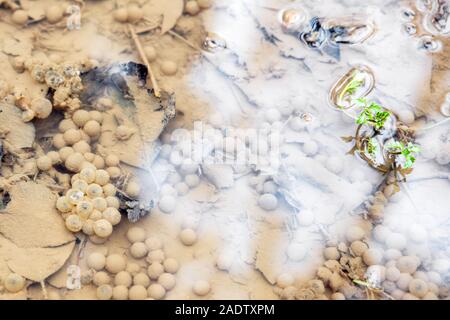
34	241
31	220
17	133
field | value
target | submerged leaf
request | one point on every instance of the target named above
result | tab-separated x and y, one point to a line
348	138
34	241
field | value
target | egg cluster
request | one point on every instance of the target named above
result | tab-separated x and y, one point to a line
120	279
73	143
90	205
390	269
63	78
181	177
344	261
403	262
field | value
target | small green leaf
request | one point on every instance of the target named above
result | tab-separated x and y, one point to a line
352	86
372	147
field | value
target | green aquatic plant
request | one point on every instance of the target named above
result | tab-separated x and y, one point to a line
371	114
372	147
407	151
353	85
401	152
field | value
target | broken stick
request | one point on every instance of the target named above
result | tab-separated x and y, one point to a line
138	44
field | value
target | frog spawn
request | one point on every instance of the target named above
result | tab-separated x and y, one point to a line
334	279
90	205
63	79
402	264
146	274
359	268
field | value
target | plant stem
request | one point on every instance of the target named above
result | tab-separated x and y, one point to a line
434	125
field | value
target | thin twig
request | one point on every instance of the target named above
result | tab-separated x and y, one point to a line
44	290
147	29
190	44
138	44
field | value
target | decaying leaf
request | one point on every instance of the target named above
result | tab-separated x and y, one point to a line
34	241
17	45
170	11
352	150
30	219
17	133
35	264
135	107
269	257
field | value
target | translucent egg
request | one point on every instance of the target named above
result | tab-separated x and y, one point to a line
100	203
408	14
94	190
214	43
88	175
74	223
63	204
84	209
112	215
80	185
410	28
74	196
429	44
14	282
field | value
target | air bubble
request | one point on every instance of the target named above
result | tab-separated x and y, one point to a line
437	21
408	14
214	43
445	108
425	5
349	30
429	44
410	28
